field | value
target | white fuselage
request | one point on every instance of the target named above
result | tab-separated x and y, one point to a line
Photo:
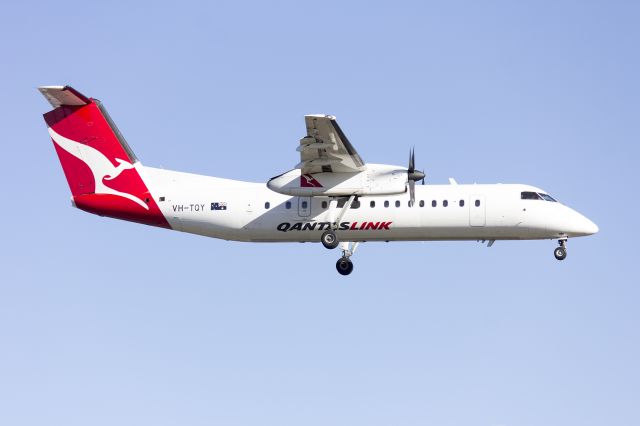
245	211
331	196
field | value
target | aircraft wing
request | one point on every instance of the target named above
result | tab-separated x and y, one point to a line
326	148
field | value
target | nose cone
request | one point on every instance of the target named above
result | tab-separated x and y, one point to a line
590	228
581	226
567	222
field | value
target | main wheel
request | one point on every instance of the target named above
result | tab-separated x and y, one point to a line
329	239
344	266
560	253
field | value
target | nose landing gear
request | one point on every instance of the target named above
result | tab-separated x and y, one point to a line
560	252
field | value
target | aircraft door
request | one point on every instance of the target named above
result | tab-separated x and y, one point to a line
304	206
477	210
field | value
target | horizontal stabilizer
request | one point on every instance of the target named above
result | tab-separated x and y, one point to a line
63	96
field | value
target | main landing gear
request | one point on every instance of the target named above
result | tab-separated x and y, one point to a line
344	264
329	239
561	251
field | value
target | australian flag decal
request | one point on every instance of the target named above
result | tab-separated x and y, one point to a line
218	206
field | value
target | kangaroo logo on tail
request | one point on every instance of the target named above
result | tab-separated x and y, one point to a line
99	164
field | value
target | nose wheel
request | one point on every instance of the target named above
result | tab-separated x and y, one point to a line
560	252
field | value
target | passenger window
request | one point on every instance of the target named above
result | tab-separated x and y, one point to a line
287	205
529	196
386	203
421	203
304	204
397	203
461	203
267	205
477	203
434	203
372	204
355	204
324	204
445	203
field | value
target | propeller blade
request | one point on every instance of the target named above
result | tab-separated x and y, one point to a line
412	193
414	175
412	160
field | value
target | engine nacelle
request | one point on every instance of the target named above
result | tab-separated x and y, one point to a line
376	179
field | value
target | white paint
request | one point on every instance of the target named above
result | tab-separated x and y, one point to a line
507	217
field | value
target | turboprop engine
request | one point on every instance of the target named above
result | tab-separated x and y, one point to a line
376	179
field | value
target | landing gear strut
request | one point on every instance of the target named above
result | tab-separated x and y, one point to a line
329	238
561	251
344	264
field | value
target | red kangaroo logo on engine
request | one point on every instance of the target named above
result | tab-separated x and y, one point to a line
308	181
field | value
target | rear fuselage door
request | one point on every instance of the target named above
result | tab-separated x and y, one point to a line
477	210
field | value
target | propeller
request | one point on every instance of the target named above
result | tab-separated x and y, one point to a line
413	176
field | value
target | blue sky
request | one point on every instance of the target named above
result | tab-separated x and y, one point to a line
105	322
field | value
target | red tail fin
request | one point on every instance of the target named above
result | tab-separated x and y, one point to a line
101	168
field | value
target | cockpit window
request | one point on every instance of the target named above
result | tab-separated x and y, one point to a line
530	196
527	195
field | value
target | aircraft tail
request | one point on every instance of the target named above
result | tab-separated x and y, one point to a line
101	169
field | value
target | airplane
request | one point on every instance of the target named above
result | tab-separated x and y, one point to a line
331	196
